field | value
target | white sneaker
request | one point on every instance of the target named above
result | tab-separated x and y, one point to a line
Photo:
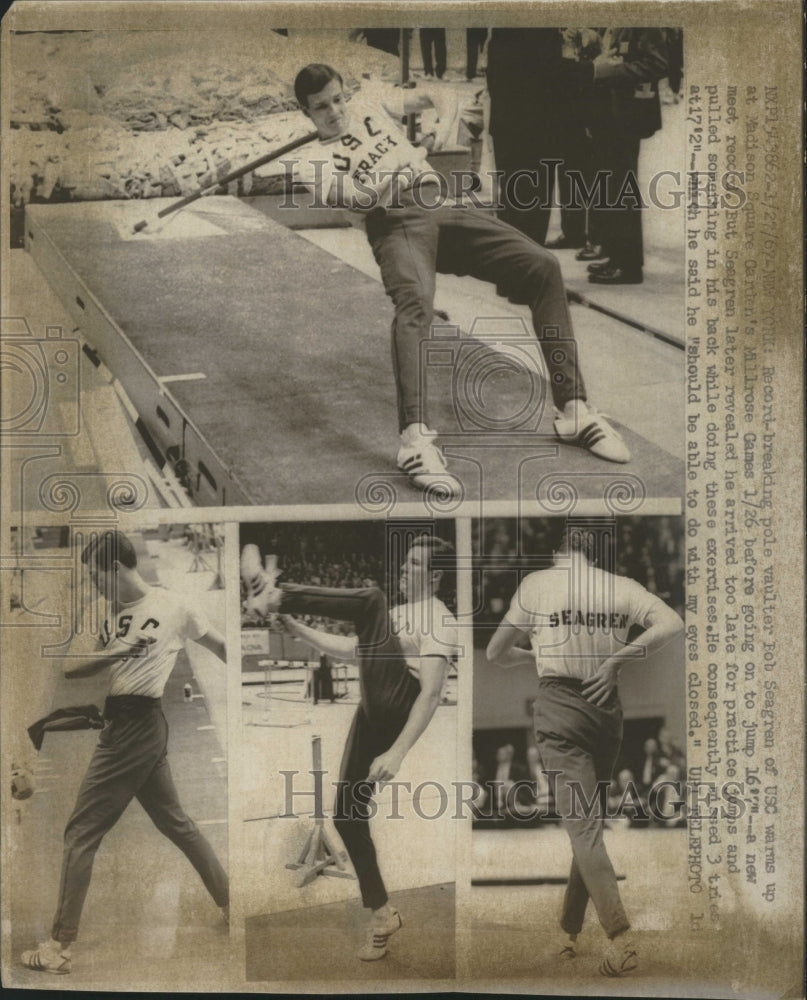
421	459
619	957
592	431
378	934
262	593
48	957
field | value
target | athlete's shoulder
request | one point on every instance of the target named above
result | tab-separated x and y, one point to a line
439	605
550	577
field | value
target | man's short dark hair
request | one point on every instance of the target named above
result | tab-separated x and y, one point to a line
438	547
580	539
312	79
109	548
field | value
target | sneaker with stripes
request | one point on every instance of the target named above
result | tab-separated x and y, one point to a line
262	594
423	462
619	957
378	934
593	432
48	957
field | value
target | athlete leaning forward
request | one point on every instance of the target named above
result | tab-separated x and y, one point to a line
364	163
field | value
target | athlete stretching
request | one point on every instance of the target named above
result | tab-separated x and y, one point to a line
577	618
139	646
364	163
403	654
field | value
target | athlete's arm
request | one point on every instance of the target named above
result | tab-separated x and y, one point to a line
340	647
662	626
73	669
433	670
214	641
503	651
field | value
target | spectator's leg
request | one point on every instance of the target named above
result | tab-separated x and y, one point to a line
440	52
426	50
518	152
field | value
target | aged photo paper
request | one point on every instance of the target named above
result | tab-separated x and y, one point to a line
402	447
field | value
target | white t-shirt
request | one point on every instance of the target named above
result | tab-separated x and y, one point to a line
424	628
577	616
159	615
373	145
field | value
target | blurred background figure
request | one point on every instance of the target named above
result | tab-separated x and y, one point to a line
624	109
433	50
508	772
475	39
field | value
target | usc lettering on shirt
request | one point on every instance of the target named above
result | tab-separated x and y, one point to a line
577	616
160	616
373	147
424	628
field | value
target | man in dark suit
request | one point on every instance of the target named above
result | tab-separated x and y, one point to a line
535	118
625	109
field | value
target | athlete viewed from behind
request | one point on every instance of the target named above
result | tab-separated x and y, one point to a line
577	618
403	654
363	162
142	636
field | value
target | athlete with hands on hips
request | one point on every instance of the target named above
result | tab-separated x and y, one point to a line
363	162
147	628
577	618
403	654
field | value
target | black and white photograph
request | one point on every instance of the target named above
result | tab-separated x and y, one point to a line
121	671
312	266
350	652
401	479
580	738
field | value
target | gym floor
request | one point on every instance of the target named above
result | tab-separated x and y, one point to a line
513	927
416	855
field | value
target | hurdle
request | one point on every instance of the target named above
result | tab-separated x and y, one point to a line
265	721
199	563
319	855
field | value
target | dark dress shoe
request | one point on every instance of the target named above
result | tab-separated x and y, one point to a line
562	243
600	265
590	252
616	276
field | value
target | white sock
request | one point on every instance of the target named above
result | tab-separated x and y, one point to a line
575	409
414	432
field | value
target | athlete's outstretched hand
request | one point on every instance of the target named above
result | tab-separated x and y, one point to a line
288	624
598	689
385	767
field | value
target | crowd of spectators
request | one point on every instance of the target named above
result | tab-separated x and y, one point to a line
343	555
646	549
511	788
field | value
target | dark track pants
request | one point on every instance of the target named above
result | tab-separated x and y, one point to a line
581	742
388	692
129	762
412	243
